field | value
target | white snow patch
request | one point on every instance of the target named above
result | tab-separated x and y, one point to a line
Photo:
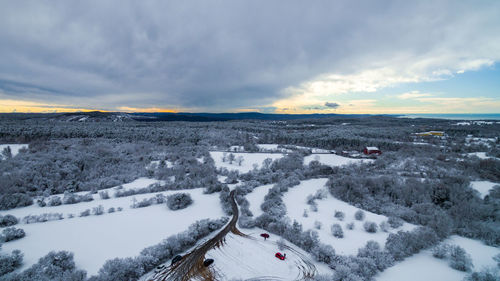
483	186
14	148
295	200
244	258
423	266
256	197
333	159
95	239
249	159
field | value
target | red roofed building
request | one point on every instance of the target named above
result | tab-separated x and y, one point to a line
371	150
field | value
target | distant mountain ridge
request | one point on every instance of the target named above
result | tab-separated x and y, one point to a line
100	116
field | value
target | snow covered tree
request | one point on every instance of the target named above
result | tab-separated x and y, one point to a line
459	259
337	230
179	201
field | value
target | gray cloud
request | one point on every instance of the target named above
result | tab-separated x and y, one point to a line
220	54
333	105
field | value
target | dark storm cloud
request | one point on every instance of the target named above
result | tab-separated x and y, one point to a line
332	104
211	54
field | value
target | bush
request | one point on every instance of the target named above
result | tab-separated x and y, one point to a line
350	226
370	227
104	194
85	213
317	225
459	259
384	226
111	210
339	215
54	201
15	200
8	220
359	215
42	218
373	251
12	233
337	230
395	222
441	251
9	263
179	201
97	211
54	266
487	274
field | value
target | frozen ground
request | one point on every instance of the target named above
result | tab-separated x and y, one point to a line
295	200
256	197
14	148
483	186
95	239
423	266
253	258
333	159
249	159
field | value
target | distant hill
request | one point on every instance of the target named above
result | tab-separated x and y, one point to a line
99	116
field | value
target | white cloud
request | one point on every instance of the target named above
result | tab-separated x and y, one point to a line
413	95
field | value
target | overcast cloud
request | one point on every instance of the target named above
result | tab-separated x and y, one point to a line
227	55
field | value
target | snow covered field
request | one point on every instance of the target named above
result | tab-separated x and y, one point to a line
483	186
14	148
423	266
253	258
333	159
256	198
295	200
95	239
249	159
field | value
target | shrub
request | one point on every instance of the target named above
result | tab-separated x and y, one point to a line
9	263
8	220
97	211
42	218
12	233
359	215
54	266
337	230
384	226
441	251
15	200
373	251
179	201
370	227
459	259
54	201
85	213
395	222
104	194
350	226
305	214
339	215
487	274
111	210
317	225
119	209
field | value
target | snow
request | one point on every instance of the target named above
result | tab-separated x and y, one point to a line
423	266
14	148
483	186
295	200
333	159
95	239
253	258
371	148
256	197
249	159
482	155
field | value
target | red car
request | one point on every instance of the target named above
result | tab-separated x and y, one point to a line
280	256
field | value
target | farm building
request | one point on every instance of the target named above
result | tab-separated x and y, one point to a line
371	150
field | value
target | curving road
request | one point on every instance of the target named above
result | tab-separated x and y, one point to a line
191	266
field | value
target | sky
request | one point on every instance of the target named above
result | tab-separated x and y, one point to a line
239	56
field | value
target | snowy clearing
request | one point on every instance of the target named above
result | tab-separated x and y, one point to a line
483	187
333	159
256	198
95	239
249	159
423	266
14	148
295	200
243	258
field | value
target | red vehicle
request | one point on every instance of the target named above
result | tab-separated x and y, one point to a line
280	256
265	235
